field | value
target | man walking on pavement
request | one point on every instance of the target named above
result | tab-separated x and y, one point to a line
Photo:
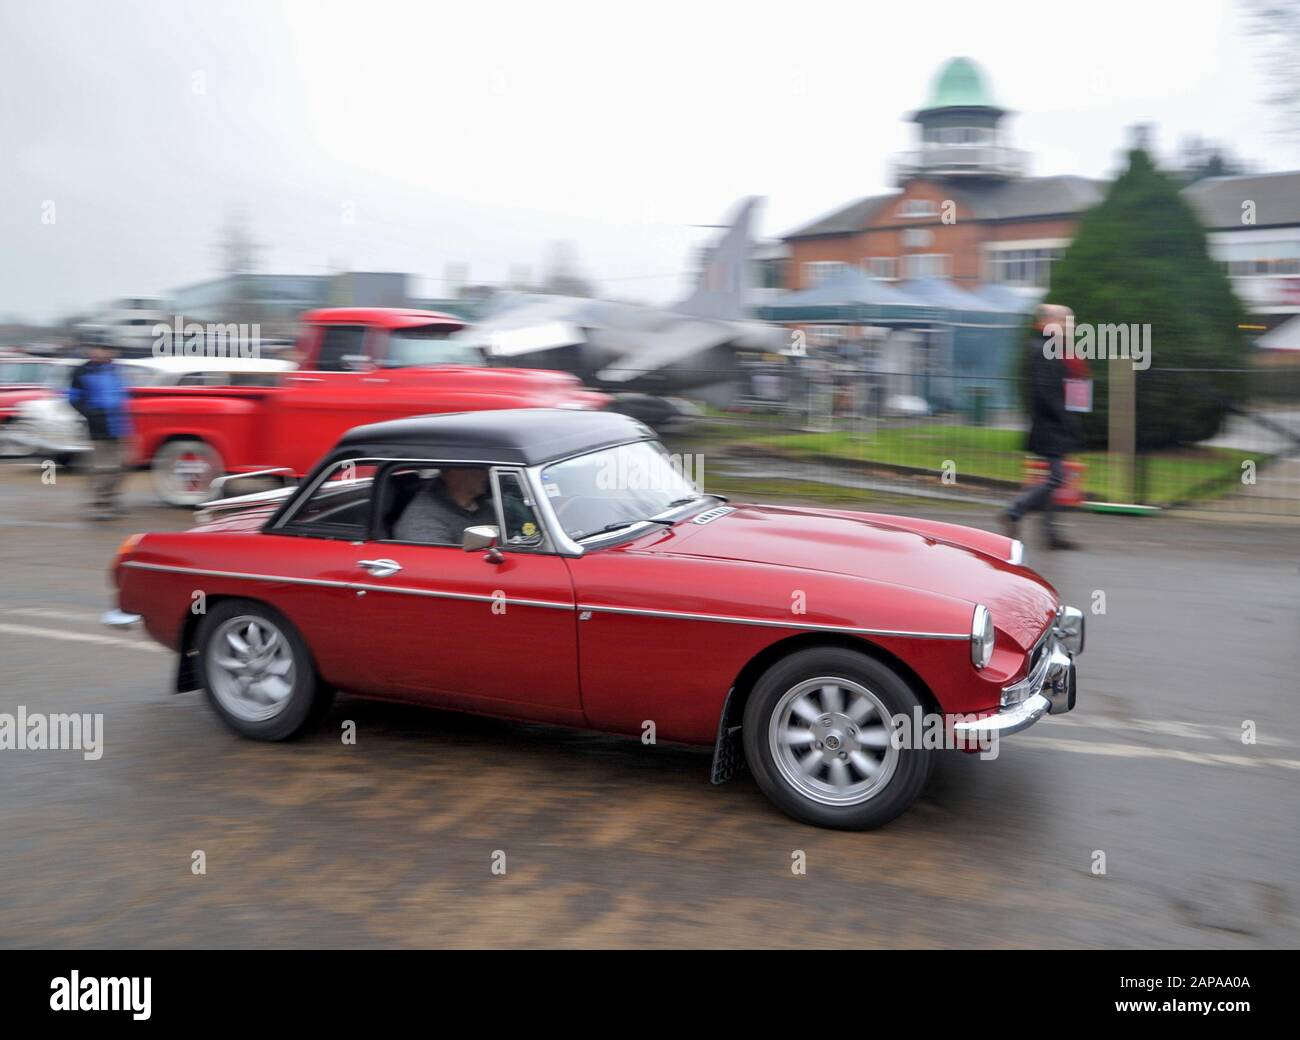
99	392
1053	431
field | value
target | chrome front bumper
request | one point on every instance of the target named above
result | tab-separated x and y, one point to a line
1050	688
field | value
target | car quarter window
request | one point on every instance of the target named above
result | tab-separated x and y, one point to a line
338	506
520	527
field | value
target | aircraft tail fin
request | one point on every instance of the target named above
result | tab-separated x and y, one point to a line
720	289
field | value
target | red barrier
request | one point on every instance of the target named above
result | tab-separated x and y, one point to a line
1068	494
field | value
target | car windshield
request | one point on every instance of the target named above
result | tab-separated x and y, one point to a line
428	346
615	488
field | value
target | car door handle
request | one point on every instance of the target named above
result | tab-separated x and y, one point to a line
380	568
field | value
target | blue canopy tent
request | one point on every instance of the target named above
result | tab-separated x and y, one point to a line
971	338
849	296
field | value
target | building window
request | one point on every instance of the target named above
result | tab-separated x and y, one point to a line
769	274
816	272
1031	268
925	265
965	135
918	209
881	266
1255	259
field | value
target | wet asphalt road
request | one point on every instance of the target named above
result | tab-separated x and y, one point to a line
391	842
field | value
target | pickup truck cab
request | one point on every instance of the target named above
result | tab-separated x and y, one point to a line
356	366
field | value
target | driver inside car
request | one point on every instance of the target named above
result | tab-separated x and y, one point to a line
439	513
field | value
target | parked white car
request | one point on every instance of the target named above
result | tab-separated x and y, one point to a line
53	428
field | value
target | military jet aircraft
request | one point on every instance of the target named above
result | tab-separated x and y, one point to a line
641	354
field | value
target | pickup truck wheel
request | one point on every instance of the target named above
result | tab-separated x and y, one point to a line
817	730
183	471
257	671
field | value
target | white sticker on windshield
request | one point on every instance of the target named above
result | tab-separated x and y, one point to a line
552	490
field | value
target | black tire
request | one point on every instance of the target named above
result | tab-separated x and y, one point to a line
307	699
902	776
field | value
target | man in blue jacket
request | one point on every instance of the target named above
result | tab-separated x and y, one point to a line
100	393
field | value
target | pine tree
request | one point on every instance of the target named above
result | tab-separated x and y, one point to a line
1141	256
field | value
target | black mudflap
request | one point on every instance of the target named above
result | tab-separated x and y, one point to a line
728	751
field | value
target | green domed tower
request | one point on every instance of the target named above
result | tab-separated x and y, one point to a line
960	131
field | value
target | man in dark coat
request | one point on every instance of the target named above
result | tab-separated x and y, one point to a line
99	392
1054	432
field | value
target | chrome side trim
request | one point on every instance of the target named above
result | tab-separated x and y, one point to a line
548	604
327	583
767	623
278	578
472	597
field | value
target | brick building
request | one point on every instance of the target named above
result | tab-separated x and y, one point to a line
965	210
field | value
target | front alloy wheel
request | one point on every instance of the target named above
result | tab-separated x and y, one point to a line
829	739
817	732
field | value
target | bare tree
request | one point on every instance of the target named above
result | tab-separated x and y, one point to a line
240	255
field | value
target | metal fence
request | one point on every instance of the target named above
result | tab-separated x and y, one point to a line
901	433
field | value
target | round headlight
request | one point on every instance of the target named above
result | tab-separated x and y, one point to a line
981	637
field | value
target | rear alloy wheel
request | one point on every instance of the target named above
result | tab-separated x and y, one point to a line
183	471
817	733
258	672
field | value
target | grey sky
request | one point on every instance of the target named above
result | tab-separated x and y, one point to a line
476	133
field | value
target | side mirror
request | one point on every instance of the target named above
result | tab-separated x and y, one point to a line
485	537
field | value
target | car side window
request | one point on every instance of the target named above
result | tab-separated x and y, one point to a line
521	528
338	506
432	503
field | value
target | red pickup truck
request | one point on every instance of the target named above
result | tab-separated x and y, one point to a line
356	366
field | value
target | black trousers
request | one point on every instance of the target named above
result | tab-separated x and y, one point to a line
1041	496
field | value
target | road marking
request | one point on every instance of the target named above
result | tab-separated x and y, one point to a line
1205	758
1165	728
80	637
85	616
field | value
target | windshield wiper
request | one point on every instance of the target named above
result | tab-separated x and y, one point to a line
620	524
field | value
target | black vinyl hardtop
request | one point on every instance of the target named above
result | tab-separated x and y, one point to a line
505	436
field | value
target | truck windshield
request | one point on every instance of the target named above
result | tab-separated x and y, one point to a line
428	346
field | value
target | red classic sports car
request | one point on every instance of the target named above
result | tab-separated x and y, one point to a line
556	566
